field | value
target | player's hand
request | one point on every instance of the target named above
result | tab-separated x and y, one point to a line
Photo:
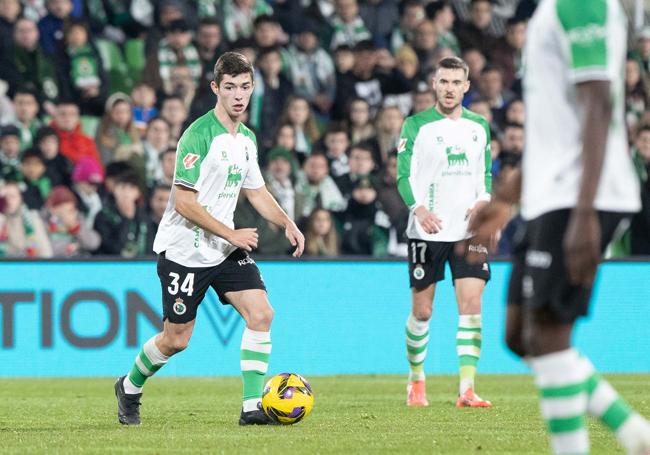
429	221
296	238
485	225
471	212
246	238
582	247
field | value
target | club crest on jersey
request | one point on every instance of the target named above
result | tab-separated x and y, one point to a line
402	145
179	307
418	272
189	160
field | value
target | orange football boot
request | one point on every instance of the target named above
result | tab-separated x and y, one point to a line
469	399
417	394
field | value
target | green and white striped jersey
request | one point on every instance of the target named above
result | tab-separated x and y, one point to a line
569	42
216	165
445	166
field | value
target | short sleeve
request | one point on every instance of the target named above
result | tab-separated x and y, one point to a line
254	179
189	155
585	29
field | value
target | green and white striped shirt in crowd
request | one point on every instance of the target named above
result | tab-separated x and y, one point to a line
350	33
168	59
445	166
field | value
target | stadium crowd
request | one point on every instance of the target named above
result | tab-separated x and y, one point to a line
95	94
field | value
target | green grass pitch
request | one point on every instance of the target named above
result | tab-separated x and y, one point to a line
352	414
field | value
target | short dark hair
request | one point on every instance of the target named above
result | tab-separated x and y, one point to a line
365	146
265	51
43	132
160	186
27	89
336	127
166	152
454	63
232	64
490	68
128	177
209	22
31	153
513	125
264	19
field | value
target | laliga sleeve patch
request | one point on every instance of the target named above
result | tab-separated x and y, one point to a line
189	160
402	145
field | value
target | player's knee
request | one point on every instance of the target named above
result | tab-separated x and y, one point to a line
260	319
175	342
422	313
179	344
531	342
471	305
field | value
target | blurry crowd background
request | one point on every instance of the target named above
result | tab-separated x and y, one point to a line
94	95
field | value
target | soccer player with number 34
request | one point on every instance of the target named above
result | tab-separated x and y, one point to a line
198	247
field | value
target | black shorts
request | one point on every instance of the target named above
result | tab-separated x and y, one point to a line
427	262
539	279
183	288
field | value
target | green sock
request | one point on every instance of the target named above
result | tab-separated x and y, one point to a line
604	401
255	353
147	362
417	339
468	348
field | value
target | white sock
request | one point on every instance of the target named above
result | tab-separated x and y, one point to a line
252	404
130	388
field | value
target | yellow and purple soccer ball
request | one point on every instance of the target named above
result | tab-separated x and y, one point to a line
287	398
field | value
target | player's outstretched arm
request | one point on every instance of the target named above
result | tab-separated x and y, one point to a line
187	205
268	207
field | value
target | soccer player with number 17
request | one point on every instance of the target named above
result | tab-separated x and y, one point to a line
444	176
198	248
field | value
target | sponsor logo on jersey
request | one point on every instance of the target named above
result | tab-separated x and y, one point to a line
456	156
179	307
224	155
587	34
402	145
440	139
418	272
234	176
474	136
189	160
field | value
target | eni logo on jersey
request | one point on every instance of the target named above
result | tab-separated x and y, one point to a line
456	156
